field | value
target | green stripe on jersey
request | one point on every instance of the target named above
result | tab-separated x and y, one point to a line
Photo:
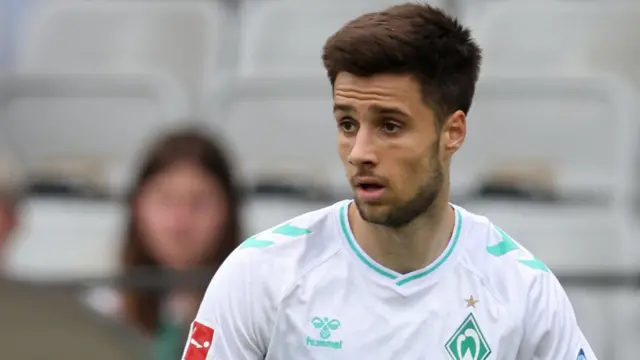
507	245
286	230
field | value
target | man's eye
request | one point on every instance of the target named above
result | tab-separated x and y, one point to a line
390	127
348	125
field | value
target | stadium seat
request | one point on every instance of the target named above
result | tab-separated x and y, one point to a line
62	240
286	36
183	39
280	126
560	36
100	120
556	123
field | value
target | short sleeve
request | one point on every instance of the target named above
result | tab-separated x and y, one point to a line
229	324
551	328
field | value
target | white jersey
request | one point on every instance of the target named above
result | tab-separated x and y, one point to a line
306	290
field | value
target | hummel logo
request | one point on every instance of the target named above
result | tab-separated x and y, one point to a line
325	325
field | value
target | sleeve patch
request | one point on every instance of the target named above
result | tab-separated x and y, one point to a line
200	339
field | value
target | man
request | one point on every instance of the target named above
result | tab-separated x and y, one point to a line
399	272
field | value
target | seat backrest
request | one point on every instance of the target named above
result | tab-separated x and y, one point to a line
66	239
280	126
100	120
180	38
561	36
286	37
581	130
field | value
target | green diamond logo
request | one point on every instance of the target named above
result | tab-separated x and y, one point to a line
467	342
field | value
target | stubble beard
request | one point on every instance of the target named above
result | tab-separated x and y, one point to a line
420	204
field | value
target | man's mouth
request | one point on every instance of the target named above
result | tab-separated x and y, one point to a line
369	189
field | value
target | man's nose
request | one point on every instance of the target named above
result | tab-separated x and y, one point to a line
363	152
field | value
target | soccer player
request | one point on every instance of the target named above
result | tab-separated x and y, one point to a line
398	272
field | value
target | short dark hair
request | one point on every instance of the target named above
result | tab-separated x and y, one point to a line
414	39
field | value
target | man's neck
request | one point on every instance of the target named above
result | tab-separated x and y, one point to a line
411	247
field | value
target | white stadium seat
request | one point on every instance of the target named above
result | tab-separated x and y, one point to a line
560	36
66	240
286	37
184	39
100	120
557	122
280	126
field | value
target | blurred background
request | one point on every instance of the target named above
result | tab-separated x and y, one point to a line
142	140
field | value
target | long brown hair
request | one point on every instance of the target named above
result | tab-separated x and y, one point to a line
142	308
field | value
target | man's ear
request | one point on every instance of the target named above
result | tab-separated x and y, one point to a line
453	132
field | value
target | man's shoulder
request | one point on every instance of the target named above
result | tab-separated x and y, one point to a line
490	244
271	261
503	264
293	246
297	231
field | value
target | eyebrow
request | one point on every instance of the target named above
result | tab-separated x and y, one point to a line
342	108
380	110
388	111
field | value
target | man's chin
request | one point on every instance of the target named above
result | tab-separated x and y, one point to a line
373	212
370	205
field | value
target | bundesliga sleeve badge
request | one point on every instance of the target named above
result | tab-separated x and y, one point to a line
200	339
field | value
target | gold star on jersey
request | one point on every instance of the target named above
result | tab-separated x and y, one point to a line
471	302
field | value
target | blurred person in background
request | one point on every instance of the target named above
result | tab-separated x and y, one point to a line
184	215
11	190
8	218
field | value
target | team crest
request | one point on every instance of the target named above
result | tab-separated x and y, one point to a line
468	342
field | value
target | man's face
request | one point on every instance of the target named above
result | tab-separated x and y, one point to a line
395	157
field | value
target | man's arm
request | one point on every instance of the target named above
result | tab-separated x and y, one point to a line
228	324
551	329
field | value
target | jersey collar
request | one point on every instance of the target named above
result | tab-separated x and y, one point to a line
391	276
